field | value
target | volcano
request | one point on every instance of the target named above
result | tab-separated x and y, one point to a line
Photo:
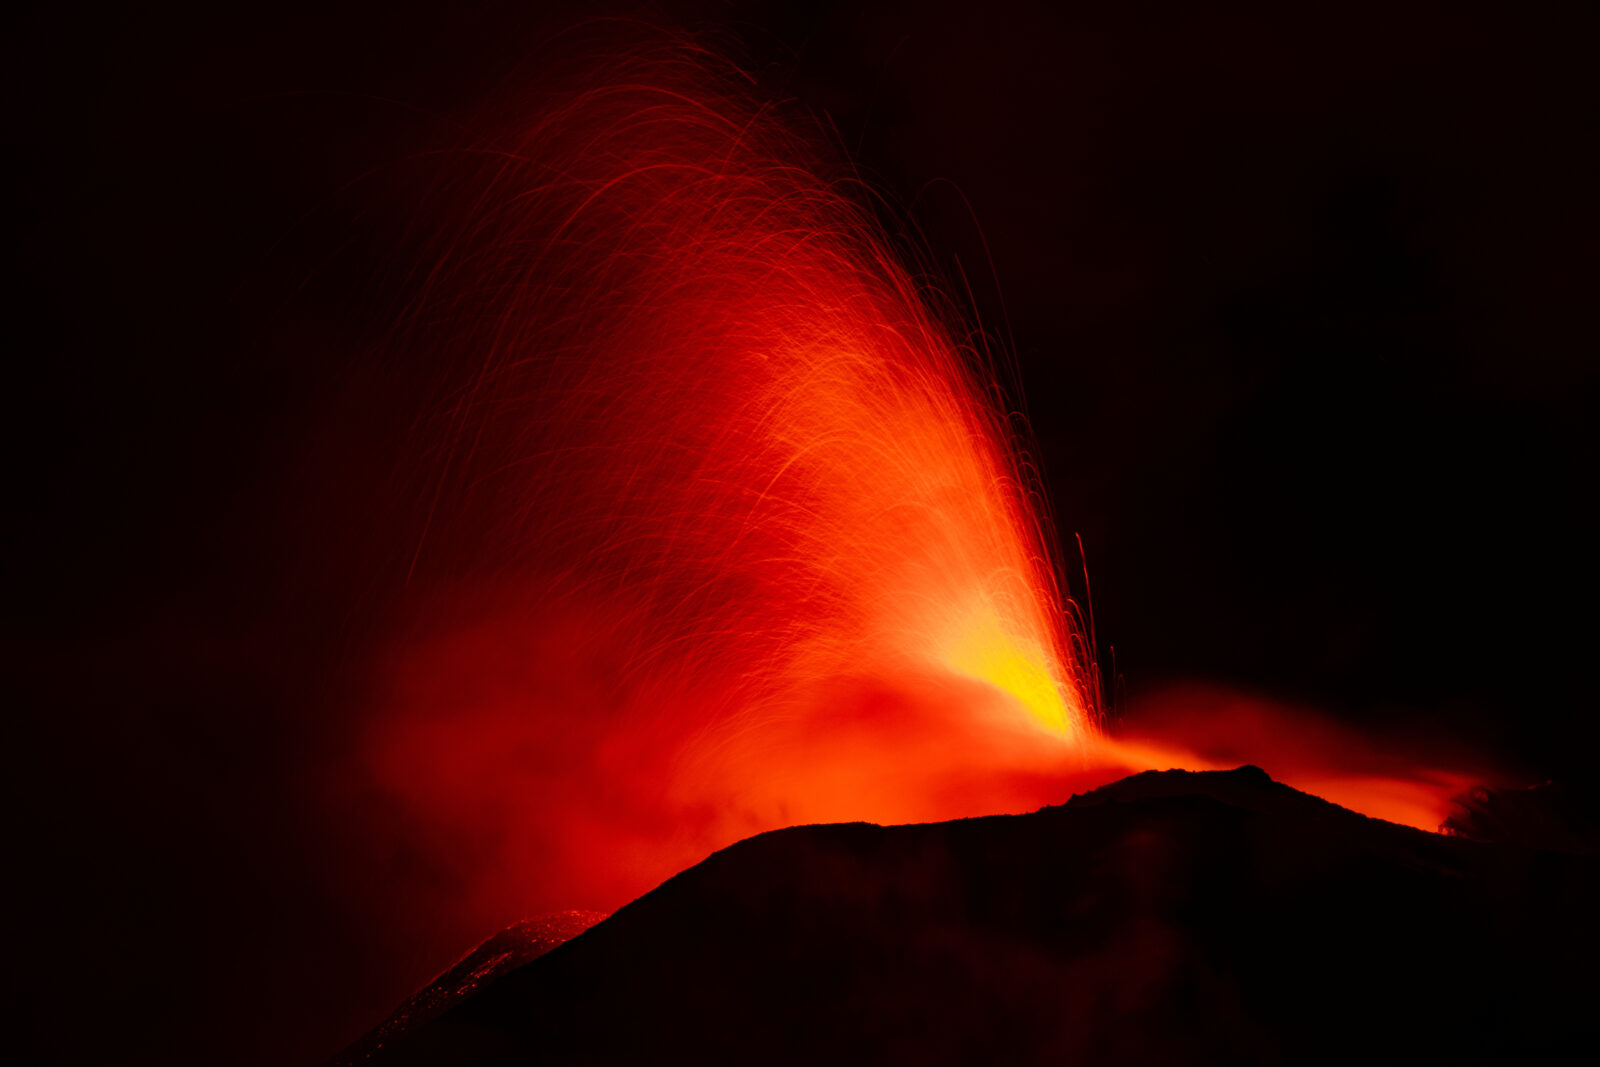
1171	917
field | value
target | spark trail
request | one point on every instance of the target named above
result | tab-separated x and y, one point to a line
728	527
755	510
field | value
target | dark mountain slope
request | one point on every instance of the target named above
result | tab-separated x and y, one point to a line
1169	918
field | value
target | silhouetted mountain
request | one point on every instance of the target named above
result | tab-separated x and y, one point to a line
1172	917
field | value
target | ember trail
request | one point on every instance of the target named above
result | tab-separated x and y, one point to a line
727	527
746	418
760	535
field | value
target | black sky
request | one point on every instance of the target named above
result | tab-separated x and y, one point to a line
1301	301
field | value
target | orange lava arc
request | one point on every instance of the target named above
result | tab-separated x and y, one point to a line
729	528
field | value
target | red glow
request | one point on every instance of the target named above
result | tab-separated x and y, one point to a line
1404	779
766	550
763	549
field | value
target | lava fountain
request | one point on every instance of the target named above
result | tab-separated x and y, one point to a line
728	526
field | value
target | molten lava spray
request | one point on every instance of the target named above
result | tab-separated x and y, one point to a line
727	529
761	548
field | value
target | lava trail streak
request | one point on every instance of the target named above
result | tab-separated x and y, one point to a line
728	526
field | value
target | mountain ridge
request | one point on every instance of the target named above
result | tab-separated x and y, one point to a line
1170	917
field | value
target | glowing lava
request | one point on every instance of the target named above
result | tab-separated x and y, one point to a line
755	517
727	529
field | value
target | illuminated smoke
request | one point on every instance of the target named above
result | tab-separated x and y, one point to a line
760	544
728	528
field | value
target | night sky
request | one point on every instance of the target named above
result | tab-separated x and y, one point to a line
1300	305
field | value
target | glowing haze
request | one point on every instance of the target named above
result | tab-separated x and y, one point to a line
727	528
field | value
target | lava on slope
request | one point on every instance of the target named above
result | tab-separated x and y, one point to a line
517	945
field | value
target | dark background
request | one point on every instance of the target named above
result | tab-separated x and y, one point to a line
1300	300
